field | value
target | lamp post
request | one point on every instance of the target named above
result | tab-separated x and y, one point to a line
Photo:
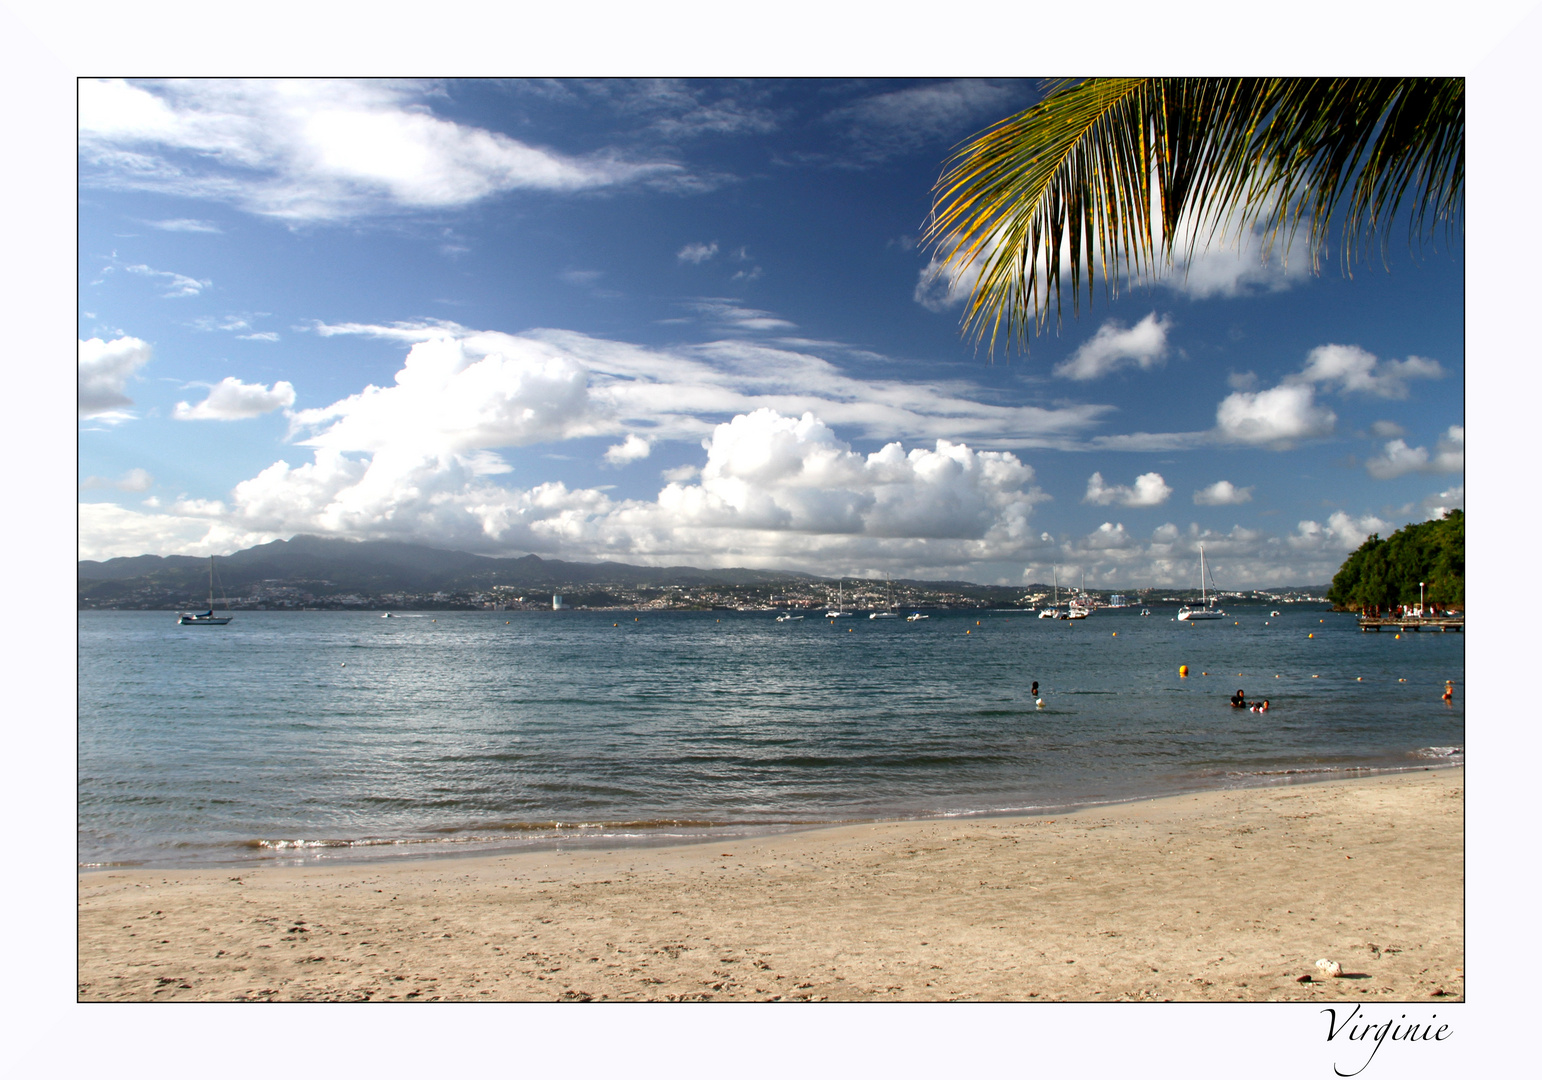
1421	599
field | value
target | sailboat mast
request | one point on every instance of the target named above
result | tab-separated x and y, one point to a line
211	582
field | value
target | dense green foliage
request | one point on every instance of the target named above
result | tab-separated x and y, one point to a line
1385	573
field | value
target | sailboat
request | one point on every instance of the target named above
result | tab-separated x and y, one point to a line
888	612
1188	614
1053	611
840	611
204	618
1080	608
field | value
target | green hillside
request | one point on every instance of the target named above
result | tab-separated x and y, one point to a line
1385	573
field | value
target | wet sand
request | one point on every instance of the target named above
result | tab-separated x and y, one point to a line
1229	896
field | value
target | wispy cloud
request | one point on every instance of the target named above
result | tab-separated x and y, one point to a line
187	225
319	150
176	285
897	122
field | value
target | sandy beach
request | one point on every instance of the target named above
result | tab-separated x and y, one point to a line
1228	896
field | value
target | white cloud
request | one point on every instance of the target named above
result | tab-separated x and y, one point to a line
1273	417
191	225
260	335
697	253
104	370
1441	503
1387	429
1149	490
133	480
1341	533
901	121
1239	267
1399	459
177	285
1222	493
232	399
728	314
1351	369
463	389
317	149
1143	345
772	487
633	449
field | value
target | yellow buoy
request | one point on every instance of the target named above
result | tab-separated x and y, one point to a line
977	622
1116	633
968	631
1183	671
1309	635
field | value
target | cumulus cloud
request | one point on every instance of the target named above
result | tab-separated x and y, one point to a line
1388	429
1222	493
1340	533
634	448
1222	268
1149	490
1351	369
1143	345
697	253
232	399
1397	458
317	149
771	485
1442	503
104	370
1276	417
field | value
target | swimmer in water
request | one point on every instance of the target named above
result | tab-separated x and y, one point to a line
1265	706
1238	701
1446	697
1033	691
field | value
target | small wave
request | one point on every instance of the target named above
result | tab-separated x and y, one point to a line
1442	752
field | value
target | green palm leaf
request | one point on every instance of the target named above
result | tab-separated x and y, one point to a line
1106	178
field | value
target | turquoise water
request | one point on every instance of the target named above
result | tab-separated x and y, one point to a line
290	736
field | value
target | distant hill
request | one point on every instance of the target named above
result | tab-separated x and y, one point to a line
378	566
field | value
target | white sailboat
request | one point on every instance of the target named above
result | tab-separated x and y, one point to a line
888	612
840	611
1188	614
1053	611
204	618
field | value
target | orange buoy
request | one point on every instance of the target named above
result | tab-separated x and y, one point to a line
1183	671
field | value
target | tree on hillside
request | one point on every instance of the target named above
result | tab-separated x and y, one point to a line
1108	177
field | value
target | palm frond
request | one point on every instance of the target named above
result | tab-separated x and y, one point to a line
1104	178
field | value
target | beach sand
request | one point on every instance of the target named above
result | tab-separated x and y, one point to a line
1229	896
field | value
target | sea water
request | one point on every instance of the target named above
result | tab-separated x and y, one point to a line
298	736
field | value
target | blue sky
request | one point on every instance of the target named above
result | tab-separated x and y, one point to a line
667	322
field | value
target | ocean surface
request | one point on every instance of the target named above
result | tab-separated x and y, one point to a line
303	736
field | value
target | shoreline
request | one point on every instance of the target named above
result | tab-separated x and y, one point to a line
1226	894
366	851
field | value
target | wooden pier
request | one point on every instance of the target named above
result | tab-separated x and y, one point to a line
1443	623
